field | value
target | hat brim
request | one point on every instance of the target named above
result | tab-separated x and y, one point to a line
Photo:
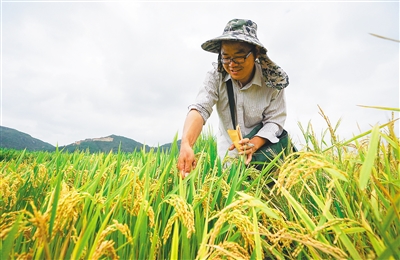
214	45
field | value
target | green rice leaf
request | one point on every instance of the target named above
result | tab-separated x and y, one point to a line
258	204
175	241
347	243
368	164
334	173
353	230
343	198
382	108
257	238
7	244
392	251
299	209
54	201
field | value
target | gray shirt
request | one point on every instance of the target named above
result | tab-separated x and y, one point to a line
255	103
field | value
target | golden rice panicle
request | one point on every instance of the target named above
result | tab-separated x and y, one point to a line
70	174
293	171
307	240
168	227
371	255
284	238
237	250
126	169
271	223
252	172
298	169
124	229
277	239
69	207
156	188
41	222
10	182
133	205
223	217
228	160
105	248
236	214
25	256
106	232
205	195
225	187
134	201
41	176
83	176
244	225
331	129
184	211
201	196
240	220
230	251
7	220
149	213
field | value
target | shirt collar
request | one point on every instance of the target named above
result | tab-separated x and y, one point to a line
256	79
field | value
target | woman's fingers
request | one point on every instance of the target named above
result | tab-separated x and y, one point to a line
249	157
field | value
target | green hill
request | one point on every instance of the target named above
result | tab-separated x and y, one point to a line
13	139
106	144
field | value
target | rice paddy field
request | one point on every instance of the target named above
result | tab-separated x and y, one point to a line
332	199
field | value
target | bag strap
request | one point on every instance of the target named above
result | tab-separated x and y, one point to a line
231	100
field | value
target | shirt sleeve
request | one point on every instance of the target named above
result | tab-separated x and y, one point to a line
207	95
274	117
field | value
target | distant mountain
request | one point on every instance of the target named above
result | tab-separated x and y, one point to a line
13	139
106	144
168	145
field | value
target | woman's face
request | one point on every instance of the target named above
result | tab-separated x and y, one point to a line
242	72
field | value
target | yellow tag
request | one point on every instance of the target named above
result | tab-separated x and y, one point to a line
236	136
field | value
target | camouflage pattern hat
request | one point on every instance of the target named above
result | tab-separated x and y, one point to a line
236	30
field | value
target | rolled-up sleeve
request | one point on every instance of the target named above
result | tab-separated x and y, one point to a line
207	96
274	117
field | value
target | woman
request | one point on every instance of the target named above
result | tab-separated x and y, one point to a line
258	90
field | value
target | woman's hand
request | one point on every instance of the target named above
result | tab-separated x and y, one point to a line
249	147
191	130
186	160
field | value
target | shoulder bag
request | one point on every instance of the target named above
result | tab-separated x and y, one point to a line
268	151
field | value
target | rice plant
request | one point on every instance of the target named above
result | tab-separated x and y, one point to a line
333	199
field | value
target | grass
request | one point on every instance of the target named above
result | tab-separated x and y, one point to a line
333	199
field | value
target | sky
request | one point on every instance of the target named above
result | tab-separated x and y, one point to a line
72	70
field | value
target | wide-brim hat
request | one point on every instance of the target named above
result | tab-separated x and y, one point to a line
241	30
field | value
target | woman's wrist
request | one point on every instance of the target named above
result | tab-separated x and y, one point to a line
258	142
